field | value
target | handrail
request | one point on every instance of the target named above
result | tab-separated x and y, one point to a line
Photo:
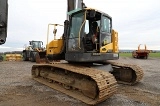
48	31
81	29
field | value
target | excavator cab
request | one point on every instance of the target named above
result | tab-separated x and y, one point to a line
87	42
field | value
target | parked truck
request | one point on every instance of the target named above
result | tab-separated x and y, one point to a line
141	53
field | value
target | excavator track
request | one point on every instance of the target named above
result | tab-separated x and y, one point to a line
126	73
88	85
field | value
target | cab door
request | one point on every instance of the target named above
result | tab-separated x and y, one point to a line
76	30
105	31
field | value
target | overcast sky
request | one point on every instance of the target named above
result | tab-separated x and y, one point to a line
137	21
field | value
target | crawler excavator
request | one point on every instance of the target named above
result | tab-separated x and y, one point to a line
84	72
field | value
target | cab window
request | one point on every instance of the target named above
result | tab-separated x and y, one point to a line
106	24
77	20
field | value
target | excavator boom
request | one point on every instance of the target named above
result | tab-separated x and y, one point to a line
3	20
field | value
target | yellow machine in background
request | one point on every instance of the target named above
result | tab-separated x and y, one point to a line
29	53
13	57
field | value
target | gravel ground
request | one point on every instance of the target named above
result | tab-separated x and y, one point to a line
17	87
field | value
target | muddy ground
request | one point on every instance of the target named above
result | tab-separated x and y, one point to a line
18	89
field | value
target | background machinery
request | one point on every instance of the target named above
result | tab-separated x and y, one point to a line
141	53
3	20
84	49
30	52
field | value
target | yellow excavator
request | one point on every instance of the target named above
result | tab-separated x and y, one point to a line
77	64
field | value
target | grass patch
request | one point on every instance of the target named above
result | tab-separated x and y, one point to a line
125	54
4	57
155	55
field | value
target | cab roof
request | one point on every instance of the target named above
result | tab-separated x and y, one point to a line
79	10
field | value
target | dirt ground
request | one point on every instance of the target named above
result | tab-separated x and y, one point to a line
18	89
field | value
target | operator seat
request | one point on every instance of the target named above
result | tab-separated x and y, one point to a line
95	31
95	35
92	38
